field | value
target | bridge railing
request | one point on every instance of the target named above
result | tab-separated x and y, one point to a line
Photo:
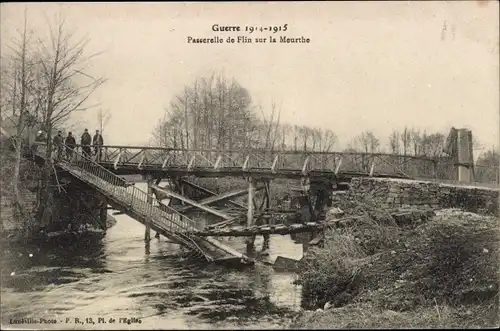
376	164
367	163
116	187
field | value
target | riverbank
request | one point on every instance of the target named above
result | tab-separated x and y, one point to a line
16	235
24	217
119	275
11	219
374	273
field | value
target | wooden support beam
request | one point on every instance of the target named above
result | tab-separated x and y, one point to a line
228	249
204	190
216	165
245	231
115	165
265	244
191	162
180	186
139	166
245	165
372	168
222	224
164	165
304	167
273	167
250	240
193	203
147	233
220	197
338	166
250	202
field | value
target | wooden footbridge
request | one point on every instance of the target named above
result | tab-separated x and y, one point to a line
319	173
169	162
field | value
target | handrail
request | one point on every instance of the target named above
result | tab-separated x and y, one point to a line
131	195
261	150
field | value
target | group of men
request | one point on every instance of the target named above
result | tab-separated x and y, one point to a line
86	141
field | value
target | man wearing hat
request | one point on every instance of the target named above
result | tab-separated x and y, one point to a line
85	142
97	141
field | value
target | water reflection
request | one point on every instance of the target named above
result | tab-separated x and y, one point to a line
119	275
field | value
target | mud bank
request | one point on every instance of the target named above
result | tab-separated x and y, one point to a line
437	273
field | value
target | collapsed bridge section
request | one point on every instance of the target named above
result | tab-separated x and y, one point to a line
139	205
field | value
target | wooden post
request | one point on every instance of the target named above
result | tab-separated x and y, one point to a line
250	202
465	158
181	184
147	233
157	182
265	245
250	240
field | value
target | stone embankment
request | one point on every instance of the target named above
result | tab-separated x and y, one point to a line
410	194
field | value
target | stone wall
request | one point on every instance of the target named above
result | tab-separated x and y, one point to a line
474	199
9	220
74	204
27	189
402	194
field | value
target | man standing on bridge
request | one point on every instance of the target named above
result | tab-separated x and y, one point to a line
97	141
85	142
58	145
70	143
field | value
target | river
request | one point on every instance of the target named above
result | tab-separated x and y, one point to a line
102	280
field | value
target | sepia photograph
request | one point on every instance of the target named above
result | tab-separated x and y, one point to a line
249	165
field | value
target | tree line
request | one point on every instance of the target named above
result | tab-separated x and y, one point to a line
218	113
45	80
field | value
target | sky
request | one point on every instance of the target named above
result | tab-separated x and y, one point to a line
377	66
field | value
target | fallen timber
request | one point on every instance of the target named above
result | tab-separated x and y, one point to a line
241	231
218	198
169	193
202	189
138	204
400	217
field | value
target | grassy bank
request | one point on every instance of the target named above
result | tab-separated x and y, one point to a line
373	273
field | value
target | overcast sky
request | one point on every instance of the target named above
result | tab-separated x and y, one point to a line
369	66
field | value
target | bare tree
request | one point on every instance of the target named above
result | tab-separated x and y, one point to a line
367	142
213	112
103	117
394	142
16	80
486	169
433	144
217	112
405	139
416	140
270	127
63	87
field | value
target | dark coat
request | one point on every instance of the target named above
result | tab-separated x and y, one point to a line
58	140
97	140
86	139
70	141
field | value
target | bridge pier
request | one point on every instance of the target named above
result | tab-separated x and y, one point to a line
267	198
250	241
252	220
147	232
464	158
